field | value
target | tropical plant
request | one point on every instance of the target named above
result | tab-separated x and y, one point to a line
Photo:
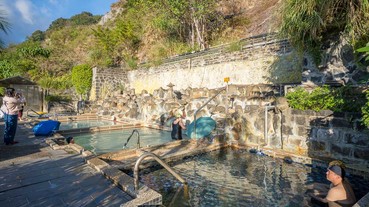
325	98
82	79
365	111
4	26
365	50
308	23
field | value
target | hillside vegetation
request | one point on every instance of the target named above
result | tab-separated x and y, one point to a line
137	31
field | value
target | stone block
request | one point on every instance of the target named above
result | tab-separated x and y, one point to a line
259	124
276	121
295	142
317	145
361	153
286	130
356	139
342	150
325	113
302	131
286	118
300	120
321	122
253	139
339	122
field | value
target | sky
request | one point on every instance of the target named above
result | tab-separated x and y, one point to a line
27	16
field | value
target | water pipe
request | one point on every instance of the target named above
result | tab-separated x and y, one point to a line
138	139
267	107
194	121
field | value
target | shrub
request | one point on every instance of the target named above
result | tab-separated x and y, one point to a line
56	98
365	111
323	98
82	78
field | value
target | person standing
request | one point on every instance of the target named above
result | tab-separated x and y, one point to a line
10	109
177	126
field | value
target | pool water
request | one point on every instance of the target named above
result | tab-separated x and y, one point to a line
109	141
84	124
239	178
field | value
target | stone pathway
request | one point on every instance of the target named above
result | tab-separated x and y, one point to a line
33	174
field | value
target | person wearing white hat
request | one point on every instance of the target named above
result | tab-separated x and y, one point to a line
178	125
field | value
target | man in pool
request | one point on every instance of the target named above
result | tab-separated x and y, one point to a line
340	192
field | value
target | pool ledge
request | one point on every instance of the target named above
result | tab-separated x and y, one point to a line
145	195
364	201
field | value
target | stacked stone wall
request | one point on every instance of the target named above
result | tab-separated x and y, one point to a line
323	135
105	81
259	60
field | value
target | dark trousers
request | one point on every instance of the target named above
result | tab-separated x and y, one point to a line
176	131
11	122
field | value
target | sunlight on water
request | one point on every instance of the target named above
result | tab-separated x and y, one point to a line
238	178
84	124
109	141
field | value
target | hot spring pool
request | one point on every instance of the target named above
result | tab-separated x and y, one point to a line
109	141
84	124
239	178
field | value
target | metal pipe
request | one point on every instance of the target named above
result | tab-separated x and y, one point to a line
267	107
161	162
194	121
32	111
138	139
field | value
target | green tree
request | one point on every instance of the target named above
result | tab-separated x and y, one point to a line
58	24
84	18
4	26
82	79
37	36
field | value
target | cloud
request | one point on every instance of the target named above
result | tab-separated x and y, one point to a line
54	2
25	8
6	10
45	11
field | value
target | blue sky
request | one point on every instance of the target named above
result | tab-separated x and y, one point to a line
27	16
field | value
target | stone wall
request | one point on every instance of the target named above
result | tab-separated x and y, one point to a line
322	135
258	60
105	81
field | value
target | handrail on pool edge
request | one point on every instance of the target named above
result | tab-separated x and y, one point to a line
138	139
160	161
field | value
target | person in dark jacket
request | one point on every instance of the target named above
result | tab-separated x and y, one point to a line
177	126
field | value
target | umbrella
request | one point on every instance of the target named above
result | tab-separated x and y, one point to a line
204	126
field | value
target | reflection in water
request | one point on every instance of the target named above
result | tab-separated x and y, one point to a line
109	141
72	124
238	178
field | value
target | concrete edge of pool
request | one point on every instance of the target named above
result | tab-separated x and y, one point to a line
147	196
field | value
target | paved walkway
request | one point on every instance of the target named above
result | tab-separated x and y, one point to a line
33	174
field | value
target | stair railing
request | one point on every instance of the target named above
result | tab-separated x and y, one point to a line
129	138
160	161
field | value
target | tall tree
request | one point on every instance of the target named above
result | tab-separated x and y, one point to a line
4	26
